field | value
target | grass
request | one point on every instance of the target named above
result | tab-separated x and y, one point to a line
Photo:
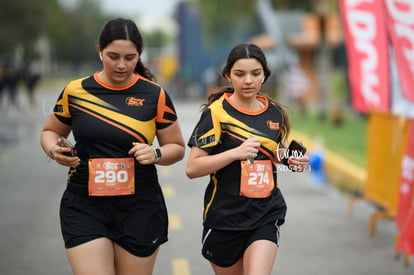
347	139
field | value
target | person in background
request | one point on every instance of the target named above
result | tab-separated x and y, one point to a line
113	213
2	77
10	81
31	79
238	141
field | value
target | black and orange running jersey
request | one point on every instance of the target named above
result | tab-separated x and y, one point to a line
224	126
106	120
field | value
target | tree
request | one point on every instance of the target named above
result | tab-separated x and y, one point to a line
21	22
221	18
76	37
72	33
225	16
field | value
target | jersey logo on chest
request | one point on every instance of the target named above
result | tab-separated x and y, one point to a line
133	101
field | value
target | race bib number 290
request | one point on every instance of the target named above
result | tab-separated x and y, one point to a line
111	177
256	179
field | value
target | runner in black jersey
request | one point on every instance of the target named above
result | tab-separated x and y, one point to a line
113	214
238	141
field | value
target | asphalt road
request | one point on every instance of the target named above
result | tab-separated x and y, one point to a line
319	236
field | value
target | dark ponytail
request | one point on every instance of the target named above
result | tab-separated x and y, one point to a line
213	97
144	71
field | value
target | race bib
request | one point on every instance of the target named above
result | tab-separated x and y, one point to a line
256	179
111	177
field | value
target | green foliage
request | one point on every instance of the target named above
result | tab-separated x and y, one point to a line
21	22
305	5
221	19
219	14
80	33
156	38
72	33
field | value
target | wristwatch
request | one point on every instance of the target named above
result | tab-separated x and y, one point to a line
157	152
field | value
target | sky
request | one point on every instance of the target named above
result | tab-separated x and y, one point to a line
154	8
148	13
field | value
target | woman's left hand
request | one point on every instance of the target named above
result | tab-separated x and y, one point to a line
143	153
299	164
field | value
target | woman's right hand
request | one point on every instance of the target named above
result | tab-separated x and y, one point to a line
248	149
61	154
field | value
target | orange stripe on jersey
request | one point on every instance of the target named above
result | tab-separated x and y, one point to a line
163	108
258	97
145	128
115	88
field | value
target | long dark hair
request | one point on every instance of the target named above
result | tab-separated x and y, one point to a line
249	50
125	29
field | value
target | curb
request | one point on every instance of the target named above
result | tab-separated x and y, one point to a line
339	170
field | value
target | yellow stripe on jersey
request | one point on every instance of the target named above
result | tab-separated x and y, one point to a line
223	122
207	207
123	122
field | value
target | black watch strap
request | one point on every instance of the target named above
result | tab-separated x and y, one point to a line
158	155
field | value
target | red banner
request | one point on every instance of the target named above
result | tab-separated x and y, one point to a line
405	211
400	19
406	239
367	50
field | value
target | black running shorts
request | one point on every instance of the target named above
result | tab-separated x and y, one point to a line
225	247
138	224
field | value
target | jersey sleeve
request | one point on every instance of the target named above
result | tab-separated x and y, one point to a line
166	114
61	108
206	134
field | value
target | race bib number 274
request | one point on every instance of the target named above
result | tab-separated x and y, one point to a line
256	179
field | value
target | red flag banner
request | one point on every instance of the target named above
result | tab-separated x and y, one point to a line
406	239
400	19
367	50
405	210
